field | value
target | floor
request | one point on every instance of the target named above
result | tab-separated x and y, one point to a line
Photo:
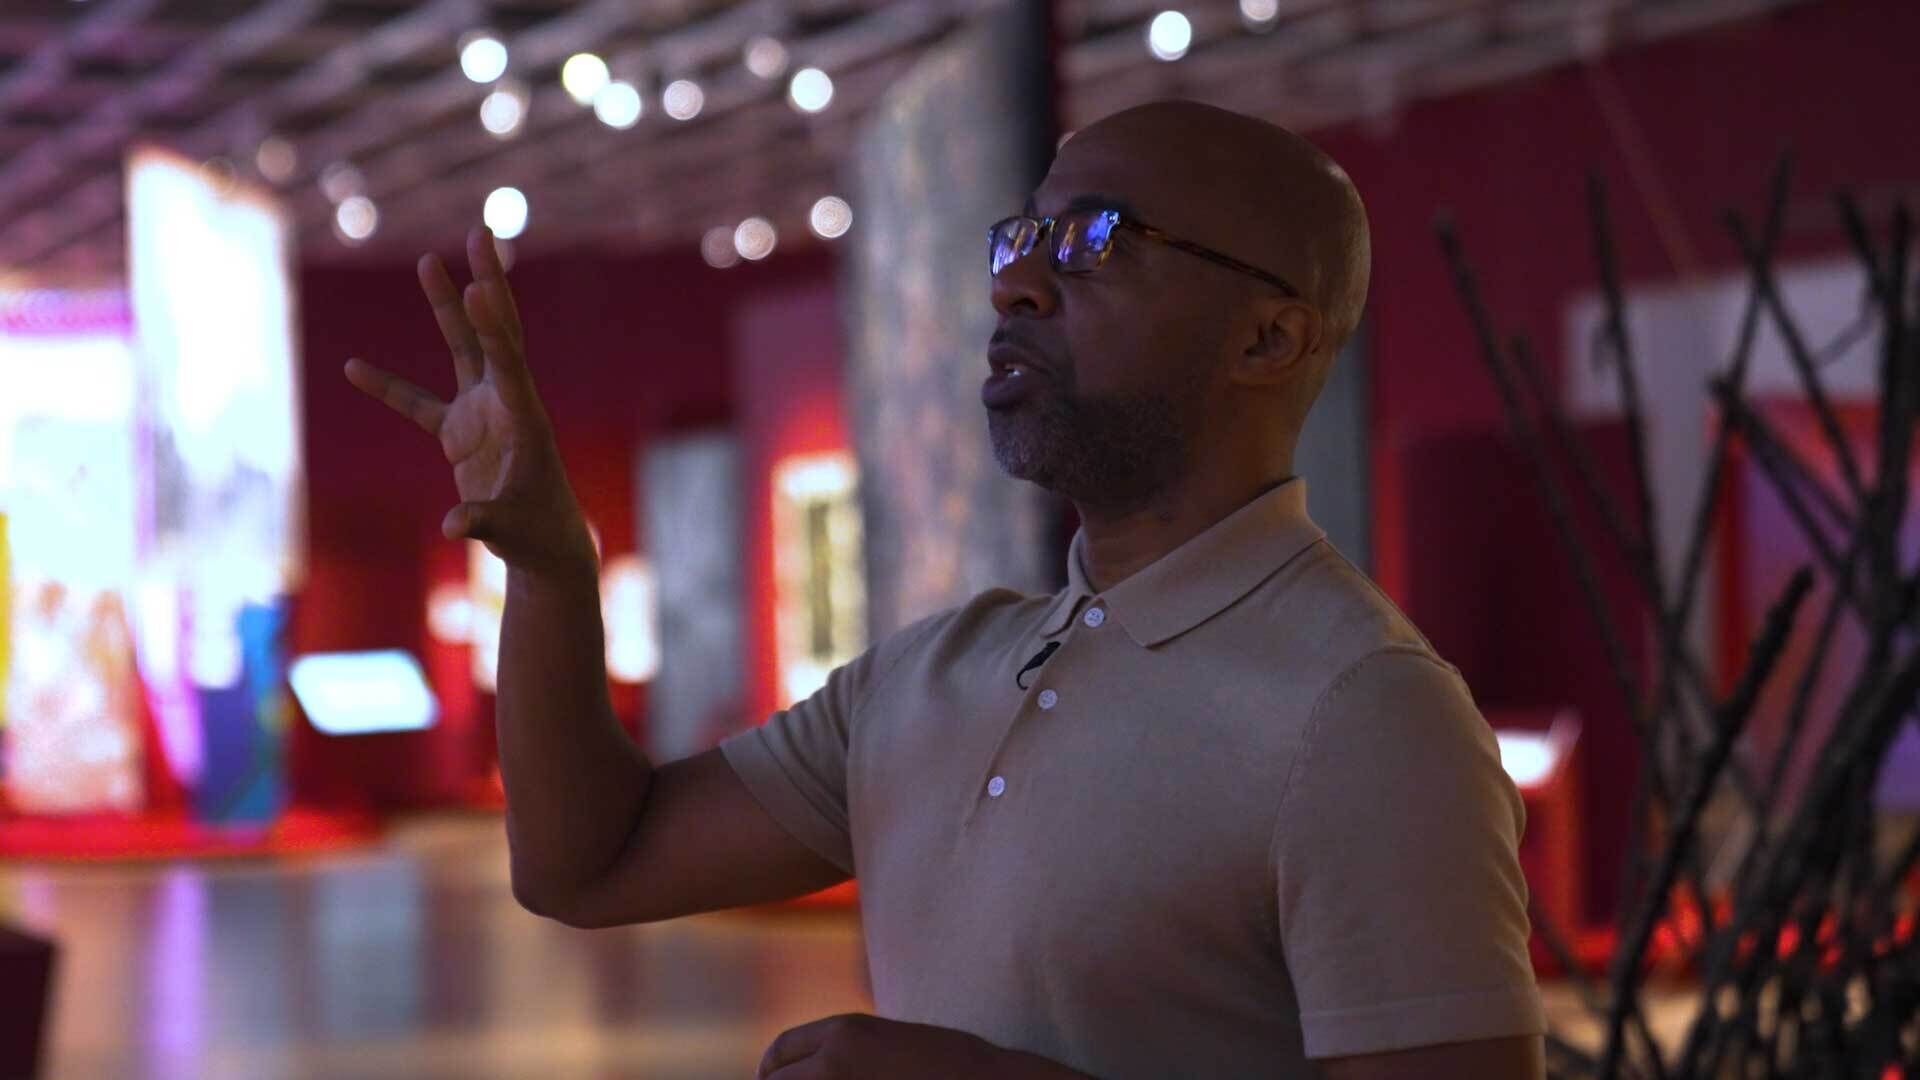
412	960
409	960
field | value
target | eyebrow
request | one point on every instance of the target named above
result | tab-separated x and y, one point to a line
1089	200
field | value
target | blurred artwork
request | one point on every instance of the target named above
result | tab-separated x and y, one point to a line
487	605
214	313
629	603
220	529
819	598
628	613
73	741
690	492
6	631
242	777
954	145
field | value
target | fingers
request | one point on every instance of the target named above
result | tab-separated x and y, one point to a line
472	521
813	1068
399	395
468	363
483	256
796	1045
501	350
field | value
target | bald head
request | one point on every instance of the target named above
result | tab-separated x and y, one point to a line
1160	370
1239	185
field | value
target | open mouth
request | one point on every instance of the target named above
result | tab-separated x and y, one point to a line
1012	361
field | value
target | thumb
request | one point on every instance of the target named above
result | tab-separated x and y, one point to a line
472	521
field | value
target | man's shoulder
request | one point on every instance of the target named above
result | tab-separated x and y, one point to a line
1328	605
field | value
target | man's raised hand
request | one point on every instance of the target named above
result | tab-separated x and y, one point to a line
514	494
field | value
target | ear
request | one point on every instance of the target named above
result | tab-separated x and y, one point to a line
1287	334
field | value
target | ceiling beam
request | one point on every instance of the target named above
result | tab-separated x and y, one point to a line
49	62
114	122
554	115
98	202
545	44
450	176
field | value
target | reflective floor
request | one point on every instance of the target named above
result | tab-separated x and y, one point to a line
411	960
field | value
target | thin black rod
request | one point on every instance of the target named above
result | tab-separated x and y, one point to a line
1799	355
1730	720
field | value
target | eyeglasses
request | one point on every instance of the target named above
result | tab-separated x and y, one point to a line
1079	241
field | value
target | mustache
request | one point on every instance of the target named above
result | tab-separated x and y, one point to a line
1023	343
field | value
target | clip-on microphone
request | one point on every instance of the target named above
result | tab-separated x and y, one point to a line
1038	659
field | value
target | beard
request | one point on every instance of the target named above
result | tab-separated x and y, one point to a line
1113	450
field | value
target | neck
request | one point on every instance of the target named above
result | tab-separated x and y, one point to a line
1120	542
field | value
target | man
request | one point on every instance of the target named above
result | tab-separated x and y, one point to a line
1215	809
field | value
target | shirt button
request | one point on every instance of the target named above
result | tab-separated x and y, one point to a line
1048	699
996	786
1094	617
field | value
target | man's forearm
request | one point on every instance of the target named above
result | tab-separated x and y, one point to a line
575	782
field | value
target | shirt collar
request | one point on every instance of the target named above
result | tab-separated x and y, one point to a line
1202	577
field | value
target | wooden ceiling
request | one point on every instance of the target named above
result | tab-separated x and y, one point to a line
377	85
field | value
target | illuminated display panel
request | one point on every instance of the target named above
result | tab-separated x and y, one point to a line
820	599
358	693
68	491
629	612
220	380
220	536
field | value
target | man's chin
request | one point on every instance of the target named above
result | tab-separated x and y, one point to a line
1021	462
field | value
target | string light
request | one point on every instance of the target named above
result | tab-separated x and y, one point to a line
356	218
504	111
811	90
506	212
618	105
340	182
276	159
584	75
766	58
683	99
717	247
1259	14
830	218
483	58
1169	36
754	239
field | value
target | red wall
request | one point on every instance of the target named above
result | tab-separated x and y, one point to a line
1831	81
622	349
1708	113
788	393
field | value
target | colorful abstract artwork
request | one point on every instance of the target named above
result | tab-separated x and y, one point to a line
72	738
220	529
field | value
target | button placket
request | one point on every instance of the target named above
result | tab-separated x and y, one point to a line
1046	698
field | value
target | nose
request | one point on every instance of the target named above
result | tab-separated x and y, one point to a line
1026	286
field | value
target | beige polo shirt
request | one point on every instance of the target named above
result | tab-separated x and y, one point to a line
1243	816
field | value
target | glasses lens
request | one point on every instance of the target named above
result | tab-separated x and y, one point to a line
1081	239
1009	240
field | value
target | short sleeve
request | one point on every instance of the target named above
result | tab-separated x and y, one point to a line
1402	909
795	765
